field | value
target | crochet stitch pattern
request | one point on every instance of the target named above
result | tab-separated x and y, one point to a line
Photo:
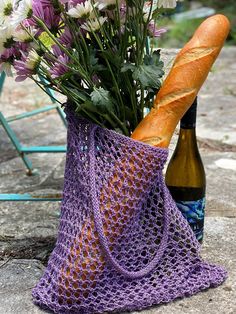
122	243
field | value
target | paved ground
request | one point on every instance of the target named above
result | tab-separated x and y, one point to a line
28	230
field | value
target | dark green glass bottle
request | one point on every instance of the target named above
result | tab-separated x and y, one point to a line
185	175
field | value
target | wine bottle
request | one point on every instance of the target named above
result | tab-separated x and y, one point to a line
185	175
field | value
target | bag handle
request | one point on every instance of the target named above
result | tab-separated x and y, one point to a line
99	225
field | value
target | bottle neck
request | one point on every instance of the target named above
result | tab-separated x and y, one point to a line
189	119
187	140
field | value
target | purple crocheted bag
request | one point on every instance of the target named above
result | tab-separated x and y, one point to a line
122	242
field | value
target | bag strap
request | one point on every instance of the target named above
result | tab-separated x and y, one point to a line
99	224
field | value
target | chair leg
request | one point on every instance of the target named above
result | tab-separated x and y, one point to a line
12	136
2	80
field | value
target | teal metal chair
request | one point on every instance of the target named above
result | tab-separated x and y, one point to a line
24	151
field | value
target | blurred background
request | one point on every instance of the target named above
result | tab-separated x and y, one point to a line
188	15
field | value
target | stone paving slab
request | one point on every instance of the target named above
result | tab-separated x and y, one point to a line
18	277
28	230
221	183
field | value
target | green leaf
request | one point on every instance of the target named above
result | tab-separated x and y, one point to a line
148	75
76	94
88	106
150	72
93	59
101	98
113	58
96	67
128	66
153	59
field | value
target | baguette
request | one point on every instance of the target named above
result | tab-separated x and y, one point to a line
189	71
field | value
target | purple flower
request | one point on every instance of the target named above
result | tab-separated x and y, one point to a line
46	13
66	38
57	51
50	3
153	31
27	66
96	80
8	54
14	52
6	59
59	68
75	2
44	3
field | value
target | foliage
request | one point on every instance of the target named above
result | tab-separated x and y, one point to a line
96	53
180	32
219	5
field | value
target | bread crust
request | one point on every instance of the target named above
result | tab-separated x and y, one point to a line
181	86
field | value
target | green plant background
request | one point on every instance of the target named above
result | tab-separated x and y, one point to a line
179	33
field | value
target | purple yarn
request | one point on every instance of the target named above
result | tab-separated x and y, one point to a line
122	243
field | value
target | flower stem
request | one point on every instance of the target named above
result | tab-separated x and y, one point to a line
44	90
82	72
120	123
112	75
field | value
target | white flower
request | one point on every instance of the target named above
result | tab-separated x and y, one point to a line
94	25
7	68
109	4
6	37
82	10
147	7
23	11
168	4
32	61
6	9
21	35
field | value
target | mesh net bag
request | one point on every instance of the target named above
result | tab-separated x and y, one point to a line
122	244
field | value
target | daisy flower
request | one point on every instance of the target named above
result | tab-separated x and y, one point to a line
6	37
94	25
107	4
82	10
27	66
6	61
32	60
24	36
6	67
168	4
6	9
23	11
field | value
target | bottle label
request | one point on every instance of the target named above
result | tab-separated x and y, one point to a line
194	212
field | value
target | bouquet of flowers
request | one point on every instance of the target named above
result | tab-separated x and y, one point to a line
95	52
